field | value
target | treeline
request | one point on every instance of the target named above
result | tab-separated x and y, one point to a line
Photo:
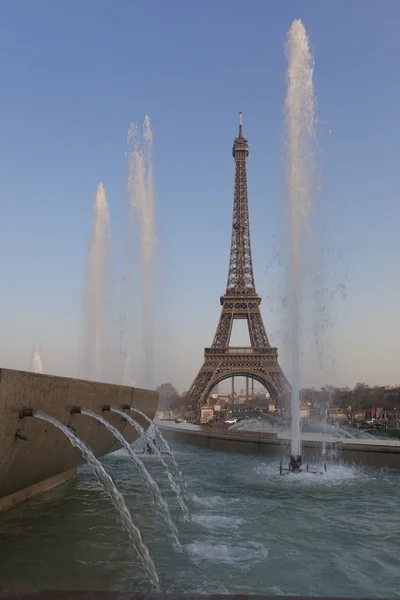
170	398
362	396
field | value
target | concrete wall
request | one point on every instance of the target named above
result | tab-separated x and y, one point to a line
376	453
47	457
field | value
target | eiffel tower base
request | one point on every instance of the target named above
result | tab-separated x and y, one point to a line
260	364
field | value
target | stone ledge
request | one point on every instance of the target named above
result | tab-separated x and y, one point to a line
351	451
93	595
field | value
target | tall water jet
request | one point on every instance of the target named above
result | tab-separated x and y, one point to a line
97	296
141	196
301	185
152	485
37	361
127	378
116	497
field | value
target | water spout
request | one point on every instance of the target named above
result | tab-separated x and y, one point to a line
300	139
163	441
26	411
116	497
174	485
152	485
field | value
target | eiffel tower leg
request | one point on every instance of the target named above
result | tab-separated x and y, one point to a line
198	388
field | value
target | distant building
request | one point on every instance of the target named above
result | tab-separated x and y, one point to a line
305	412
221	398
207	414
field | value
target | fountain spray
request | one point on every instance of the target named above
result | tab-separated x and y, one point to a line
97	300
37	361
141	196
300	175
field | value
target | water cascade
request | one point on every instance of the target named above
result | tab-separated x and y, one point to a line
37	361
300	140
152	485
164	441
175	486
116	497
97	293
141	194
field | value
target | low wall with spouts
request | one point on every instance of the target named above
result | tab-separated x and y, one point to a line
34	456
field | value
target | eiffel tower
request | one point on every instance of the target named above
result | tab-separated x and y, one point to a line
259	361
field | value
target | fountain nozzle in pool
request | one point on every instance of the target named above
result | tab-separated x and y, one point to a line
295	463
76	410
106	408
295	466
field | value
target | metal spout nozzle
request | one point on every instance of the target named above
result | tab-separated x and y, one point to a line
76	410
295	463
106	407
126	407
26	412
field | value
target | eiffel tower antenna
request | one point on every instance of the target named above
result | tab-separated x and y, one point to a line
259	361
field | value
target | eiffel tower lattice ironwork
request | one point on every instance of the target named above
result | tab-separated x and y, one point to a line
259	361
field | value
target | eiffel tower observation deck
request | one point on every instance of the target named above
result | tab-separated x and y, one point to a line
258	361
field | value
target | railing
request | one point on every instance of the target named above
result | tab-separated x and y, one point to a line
242	350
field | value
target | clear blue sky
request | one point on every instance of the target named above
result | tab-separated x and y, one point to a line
73	76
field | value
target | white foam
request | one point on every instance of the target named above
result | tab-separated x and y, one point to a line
212	501
336	474
216	521
249	552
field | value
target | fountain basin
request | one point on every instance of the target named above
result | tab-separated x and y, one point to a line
34	456
265	443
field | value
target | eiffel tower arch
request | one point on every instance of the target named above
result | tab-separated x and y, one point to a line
258	361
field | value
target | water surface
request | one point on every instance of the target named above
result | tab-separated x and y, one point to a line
252	531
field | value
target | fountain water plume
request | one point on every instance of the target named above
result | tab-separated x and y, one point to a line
116	497
300	139
141	196
164	441
175	486
127	378
98	299
152	485
37	361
